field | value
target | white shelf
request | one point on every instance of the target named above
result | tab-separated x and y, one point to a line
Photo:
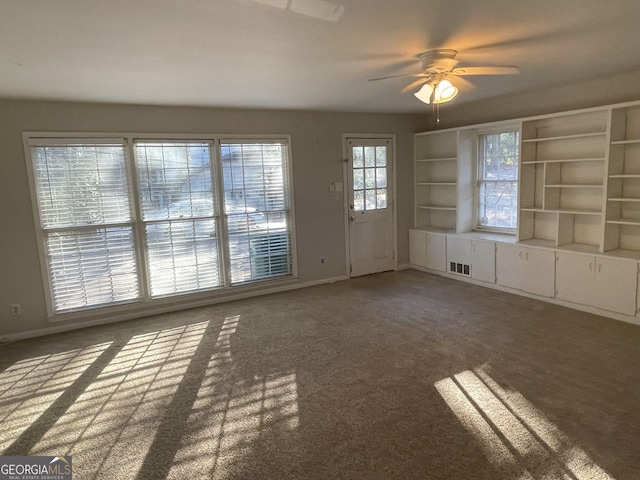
625	176
623	221
437	207
436	178
444	159
445	184
563	137
566	160
575	185
624	199
572	211
625	142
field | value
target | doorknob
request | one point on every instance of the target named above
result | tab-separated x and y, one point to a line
352	218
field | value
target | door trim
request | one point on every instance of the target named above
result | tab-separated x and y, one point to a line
345	172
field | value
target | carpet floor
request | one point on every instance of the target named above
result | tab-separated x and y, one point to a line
400	375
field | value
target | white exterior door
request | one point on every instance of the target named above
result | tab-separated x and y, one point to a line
370	206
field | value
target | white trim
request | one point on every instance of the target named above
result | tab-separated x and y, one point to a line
162	309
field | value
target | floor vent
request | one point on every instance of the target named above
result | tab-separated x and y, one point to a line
460	268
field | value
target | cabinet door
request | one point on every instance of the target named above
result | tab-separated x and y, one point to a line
436	252
483	261
418	248
616	285
526	269
459	253
538	272
508	265
575	277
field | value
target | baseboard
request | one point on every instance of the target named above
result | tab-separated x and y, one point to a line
555	301
161	309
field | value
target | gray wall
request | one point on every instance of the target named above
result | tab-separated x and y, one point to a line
316	152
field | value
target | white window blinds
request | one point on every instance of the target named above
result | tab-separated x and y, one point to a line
179	209
133	219
257	209
85	214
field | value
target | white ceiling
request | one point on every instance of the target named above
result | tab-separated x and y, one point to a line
301	54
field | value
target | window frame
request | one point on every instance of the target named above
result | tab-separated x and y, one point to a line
478	173
144	302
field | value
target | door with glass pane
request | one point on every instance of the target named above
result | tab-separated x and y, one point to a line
369	180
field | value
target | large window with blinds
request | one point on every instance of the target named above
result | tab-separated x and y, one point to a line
130	220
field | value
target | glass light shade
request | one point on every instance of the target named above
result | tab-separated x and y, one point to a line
445	92
424	94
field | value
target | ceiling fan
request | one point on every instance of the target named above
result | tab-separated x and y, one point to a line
439	69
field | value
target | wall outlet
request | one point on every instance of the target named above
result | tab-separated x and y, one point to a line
15	309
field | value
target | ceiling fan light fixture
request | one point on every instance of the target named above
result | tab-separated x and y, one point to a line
424	94
444	92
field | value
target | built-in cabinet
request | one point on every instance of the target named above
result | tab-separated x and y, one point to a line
428	250
528	269
578	235
483	260
601	282
471	257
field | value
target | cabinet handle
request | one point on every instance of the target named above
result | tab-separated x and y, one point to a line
599	267
591	266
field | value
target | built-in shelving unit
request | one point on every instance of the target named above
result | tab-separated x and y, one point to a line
578	237
562	172
436	174
622	224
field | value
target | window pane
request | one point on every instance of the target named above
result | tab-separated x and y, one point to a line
257	209
498	185
370	200
86	185
369	156
93	268
381	177
358	200
358	157
498	204
176	195
381	156
183	256
174	180
382	198
81	185
370	177
358	179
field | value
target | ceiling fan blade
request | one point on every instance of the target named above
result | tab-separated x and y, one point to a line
415	84
461	84
398	76
485	70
